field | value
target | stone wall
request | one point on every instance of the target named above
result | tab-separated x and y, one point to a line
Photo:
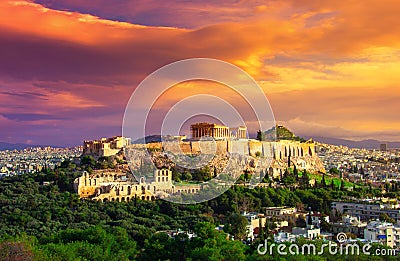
281	149
119	186
301	154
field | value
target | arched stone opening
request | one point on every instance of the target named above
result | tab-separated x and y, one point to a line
270	172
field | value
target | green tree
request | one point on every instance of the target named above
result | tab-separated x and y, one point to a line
300	222
323	182
88	160
186	175
334	171
305	179
260	135
157	247
341	187
214	245
236	225
386	218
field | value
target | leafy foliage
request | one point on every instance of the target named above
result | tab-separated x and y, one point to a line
42	218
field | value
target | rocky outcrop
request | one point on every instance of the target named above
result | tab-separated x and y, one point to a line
281	154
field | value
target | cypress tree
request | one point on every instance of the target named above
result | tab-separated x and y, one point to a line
341	185
261	230
323	183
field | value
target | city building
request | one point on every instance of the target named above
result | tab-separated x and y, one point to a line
309	232
317	218
366	211
382	232
105	147
204	129
279	211
255	219
282	237
374	166
289	214
34	160
350	224
116	186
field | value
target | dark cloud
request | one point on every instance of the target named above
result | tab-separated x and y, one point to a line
31	117
182	14
24	94
65	76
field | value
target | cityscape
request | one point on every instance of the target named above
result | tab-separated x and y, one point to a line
370	220
199	130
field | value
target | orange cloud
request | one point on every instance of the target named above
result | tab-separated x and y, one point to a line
321	62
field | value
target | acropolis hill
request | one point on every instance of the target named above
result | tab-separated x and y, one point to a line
234	140
111	185
302	154
226	141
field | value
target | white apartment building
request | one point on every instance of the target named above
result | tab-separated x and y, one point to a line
310	232
284	237
350	224
279	211
366	211
383	232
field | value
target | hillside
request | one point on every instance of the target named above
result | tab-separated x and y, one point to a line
16	146
362	144
282	133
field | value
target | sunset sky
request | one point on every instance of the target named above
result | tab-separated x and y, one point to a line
68	67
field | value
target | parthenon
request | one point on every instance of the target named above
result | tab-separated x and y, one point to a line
216	131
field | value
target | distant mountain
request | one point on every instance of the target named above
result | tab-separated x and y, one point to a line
148	139
155	138
16	146
366	144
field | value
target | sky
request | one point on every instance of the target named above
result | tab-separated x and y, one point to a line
68	67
